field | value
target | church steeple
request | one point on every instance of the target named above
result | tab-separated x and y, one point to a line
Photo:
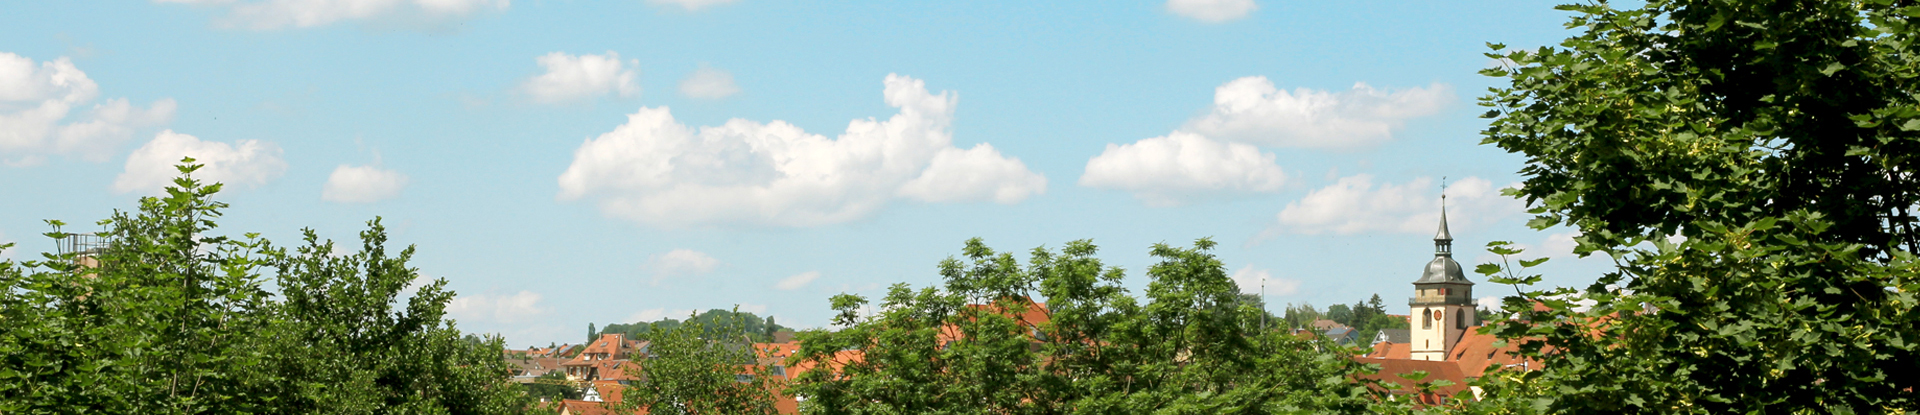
1442	305
1443	269
1443	240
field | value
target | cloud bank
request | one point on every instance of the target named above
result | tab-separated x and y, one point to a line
38	106
690	5
1252	110
248	163
657	171
1212	11
709	83
797	281
1354	204
362	184
280	14
1167	170
570	78
498	309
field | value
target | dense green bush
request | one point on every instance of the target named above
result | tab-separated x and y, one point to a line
175	319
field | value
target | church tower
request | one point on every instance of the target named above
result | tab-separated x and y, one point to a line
1442	304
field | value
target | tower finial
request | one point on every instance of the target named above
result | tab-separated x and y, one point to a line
1443	240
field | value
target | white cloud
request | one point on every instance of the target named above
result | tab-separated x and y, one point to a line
709	83
500	309
1252	110
36	107
1249	279
690	5
1491	302
1355	205
362	184
573	78
681	262
796	281
1212	11
1165	170
756	309
655	314
1557	245
657	171
978	173
277	14
246	162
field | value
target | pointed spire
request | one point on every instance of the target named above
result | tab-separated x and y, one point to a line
1443	235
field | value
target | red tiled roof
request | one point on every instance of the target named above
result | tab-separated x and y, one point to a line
1391	369
1391	350
1324	324
1476	353
616	370
579	407
612	344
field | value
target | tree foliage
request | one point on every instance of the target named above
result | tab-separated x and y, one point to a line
760	329
1750	166
168	318
706	366
1191	347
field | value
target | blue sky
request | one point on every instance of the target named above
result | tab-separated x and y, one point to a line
566	162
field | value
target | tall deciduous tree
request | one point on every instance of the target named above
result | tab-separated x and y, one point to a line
1751	166
706	366
163	316
980	345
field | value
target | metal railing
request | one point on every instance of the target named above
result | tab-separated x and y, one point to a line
81	243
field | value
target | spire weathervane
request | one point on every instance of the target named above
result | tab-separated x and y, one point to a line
1443	240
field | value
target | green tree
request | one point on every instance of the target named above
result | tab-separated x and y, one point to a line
339	344
1193	346
552	386
1750	166
1340	313
163	316
707	366
1302	316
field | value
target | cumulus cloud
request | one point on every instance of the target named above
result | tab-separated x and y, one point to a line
580	77
1249	279
690	5
1212	11
1491	302
278	14
978	173
656	314
797	280
362	184
38	103
243	163
1166	170
681	262
1354	204
1252	110
501	309
1557	245
657	171
709	83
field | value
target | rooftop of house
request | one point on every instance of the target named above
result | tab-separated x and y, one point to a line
1391	370
1324	324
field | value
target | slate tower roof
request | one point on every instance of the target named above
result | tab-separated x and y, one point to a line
1443	269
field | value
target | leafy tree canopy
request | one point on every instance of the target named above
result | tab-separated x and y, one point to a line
1751	167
